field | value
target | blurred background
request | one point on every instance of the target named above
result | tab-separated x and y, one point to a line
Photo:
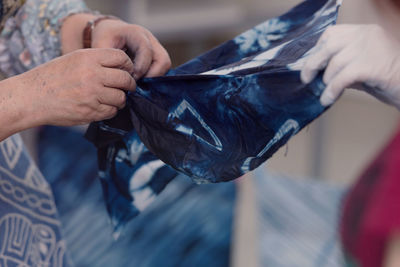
331	152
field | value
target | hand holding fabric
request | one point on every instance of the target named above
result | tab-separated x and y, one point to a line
149	57
363	57
80	87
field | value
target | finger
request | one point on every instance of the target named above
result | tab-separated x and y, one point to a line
338	63
115	58
112	97
341	81
161	60
105	112
331	42
139	44
120	79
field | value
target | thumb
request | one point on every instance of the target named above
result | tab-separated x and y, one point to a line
339	83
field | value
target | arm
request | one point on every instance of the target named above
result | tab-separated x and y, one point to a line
32	37
78	88
43	30
29	39
83	85
14	117
65	91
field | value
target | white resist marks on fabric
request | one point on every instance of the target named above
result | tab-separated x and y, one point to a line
142	194
183	107
257	61
11	148
290	126
262	35
24	243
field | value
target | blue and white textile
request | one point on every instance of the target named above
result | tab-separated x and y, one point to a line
298	221
183	227
29	226
216	117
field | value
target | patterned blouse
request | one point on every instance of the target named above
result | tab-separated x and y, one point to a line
29	226
31	37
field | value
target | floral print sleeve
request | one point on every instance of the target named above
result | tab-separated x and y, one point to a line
31	37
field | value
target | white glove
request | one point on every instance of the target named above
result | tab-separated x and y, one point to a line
363	57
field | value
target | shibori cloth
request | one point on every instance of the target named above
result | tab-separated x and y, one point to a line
216	117
183	227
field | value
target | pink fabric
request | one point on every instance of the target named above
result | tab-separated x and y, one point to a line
372	209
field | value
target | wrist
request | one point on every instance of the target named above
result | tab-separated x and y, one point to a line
72	31
89	29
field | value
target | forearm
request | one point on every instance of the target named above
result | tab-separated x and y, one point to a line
16	109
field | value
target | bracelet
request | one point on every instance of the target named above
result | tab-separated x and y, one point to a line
87	32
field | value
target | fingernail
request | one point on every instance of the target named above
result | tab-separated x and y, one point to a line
326	99
306	78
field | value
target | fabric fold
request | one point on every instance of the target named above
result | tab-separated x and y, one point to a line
216	117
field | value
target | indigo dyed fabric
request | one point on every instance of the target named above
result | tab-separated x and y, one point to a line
29	225
183	227
216	117
297	221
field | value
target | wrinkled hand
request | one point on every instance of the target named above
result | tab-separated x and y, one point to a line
149	57
78	88
363	57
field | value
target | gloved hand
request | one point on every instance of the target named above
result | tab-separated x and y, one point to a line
362	57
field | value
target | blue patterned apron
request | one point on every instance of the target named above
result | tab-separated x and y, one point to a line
29	226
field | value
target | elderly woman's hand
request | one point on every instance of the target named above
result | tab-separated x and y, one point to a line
84	85
78	88
148	56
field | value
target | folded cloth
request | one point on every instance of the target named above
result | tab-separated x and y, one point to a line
371	209
216	117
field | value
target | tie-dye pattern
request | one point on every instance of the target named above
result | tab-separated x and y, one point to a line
216	117
183	227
